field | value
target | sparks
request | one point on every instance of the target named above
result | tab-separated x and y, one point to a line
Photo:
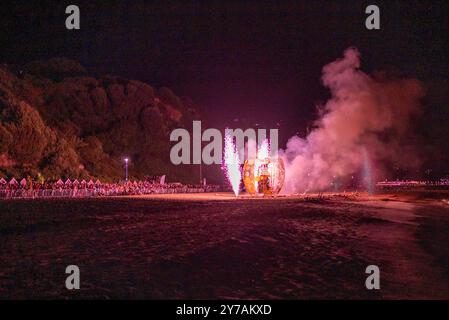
264	150
231	164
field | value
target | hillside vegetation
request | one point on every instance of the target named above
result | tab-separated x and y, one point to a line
58	121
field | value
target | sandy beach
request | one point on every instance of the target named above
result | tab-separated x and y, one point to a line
208	246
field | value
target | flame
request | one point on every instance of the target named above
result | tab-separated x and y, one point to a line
232	164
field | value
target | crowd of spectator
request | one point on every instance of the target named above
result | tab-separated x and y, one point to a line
29	189
413	183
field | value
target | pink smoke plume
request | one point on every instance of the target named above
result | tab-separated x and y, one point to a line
366	119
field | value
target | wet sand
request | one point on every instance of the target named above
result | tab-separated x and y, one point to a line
207	246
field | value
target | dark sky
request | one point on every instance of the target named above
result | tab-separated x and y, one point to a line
254	60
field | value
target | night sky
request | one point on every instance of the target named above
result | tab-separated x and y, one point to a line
256	61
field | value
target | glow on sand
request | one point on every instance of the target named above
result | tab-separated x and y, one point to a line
231	164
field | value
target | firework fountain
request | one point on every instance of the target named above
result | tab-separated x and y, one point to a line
263	153
231	164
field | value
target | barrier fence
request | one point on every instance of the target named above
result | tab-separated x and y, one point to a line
100	191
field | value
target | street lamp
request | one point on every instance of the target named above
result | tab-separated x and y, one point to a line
126	169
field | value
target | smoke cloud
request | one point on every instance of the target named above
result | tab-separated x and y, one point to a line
363	127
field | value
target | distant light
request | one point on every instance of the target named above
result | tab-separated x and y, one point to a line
126	159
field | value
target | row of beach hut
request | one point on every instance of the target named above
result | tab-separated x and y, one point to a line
68	182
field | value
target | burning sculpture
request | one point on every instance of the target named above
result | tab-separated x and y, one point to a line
231	164
261	175
264	174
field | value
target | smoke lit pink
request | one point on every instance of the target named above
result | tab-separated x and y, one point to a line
366	118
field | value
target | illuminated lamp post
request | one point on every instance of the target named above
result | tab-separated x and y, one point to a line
126	169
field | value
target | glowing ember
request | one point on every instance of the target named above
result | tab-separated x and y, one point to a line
231	164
